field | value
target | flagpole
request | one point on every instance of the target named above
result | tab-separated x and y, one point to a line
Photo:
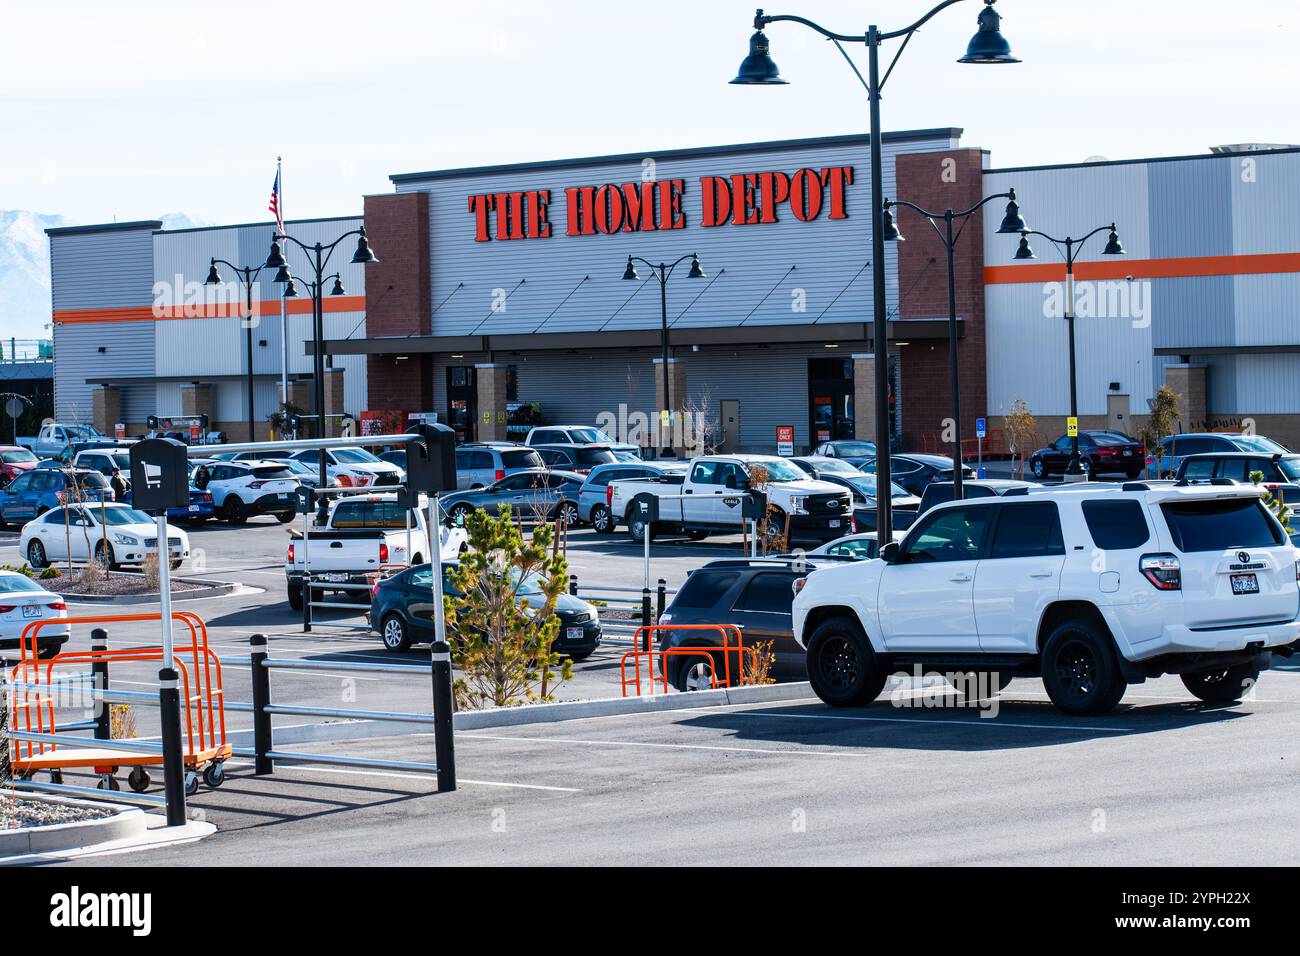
284	320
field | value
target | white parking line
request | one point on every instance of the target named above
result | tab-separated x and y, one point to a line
977	722
426	776
658	746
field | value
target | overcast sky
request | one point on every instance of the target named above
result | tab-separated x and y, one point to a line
132	108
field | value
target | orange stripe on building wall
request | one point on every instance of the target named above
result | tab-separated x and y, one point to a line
1120	268
266	308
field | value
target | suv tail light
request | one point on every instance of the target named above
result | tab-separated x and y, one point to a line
609	495
288	555
374	592
500	473
6	608
383	552
1163	571
256	484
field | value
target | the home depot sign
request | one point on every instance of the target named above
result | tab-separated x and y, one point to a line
744	199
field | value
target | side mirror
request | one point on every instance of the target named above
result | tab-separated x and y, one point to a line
731	481
890	553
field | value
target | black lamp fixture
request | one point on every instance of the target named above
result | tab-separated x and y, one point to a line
1025	251
291	290
989	46
1012	222
1113	245
276	259
758	68
696	271
629	274
338	287
889	226
214	278
363	254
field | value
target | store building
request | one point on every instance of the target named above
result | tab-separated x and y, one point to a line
501	289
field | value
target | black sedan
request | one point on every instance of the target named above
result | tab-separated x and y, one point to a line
1100	452
532	492
914	472
401	611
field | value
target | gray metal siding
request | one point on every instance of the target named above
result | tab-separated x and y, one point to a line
1192	311
130	352
101	270
1191	208
748	266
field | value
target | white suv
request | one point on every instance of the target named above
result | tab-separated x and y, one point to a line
1092	587
244	489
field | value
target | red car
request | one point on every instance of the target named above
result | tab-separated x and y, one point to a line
13	462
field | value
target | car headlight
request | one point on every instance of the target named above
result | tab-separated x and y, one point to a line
125	539
796	504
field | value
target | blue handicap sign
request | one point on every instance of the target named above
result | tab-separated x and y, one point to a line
981	428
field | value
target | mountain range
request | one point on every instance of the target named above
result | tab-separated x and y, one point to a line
25	268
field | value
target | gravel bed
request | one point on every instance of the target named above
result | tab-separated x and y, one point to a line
115	584
17	811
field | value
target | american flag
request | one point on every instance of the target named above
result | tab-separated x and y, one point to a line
274	207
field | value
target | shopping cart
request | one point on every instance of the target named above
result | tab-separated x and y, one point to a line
34	695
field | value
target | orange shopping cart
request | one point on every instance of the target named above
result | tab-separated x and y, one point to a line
34	695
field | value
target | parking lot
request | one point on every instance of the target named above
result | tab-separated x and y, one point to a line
1164	779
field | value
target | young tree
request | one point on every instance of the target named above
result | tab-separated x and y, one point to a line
502	644
1161	423
1020	427
1273	502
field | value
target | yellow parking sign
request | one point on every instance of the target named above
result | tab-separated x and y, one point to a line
1072	427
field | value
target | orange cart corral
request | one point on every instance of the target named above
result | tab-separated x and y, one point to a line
33	697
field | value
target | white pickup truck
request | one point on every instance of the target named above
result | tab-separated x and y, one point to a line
361	535
708	499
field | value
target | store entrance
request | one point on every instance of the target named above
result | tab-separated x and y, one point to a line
830	400
462	401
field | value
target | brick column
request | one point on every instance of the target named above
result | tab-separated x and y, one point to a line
491	382
398	301
333	401
300	395
106	402
864	396
953	179
678	396
1191	383
197	400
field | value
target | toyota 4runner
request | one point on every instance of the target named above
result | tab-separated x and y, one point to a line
1092	587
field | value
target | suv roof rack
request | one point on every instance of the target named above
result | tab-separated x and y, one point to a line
1136	486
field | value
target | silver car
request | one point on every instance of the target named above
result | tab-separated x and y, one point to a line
593	497
479	464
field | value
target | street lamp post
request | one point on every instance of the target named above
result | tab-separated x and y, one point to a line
1072	248
247	275
318	259
662	273
988	47
1012	223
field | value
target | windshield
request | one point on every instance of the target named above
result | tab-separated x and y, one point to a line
119	516
17	456
1111	438
521	459
1258	443
298	467
11	583
855	449
1290	467
778	469
531	584
588	436
269	473
81	432
866	485
355	456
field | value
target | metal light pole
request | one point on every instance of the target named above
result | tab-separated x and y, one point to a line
318	258
662	273
247	275
989	47
1072	246
1012	223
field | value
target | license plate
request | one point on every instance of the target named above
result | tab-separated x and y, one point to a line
1128	452
834	522
283	496
1245	584
335	577
573	633
194	509
31	610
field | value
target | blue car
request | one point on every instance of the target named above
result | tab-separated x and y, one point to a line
32	494
200	507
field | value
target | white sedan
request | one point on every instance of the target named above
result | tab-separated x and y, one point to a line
355	467
114	535
22	601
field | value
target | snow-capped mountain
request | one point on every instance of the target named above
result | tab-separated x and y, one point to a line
25	268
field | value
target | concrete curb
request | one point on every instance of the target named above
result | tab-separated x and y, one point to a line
125	824
213	589
535	714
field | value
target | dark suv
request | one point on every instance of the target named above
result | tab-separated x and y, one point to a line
755	594
1281	472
